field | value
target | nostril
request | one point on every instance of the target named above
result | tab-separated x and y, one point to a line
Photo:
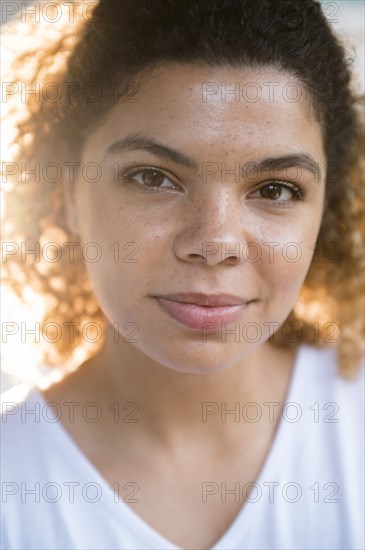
199	257
232	260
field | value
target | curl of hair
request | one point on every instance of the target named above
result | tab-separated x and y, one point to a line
116	44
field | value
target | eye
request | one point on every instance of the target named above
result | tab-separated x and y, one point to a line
148	177
279	192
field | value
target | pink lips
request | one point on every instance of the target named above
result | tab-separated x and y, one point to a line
196	310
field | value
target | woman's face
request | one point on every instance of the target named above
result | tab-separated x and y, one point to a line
225	196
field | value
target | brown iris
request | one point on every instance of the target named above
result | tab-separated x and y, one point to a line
152	178
272	191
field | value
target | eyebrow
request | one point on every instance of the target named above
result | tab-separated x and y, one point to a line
138	142
301	160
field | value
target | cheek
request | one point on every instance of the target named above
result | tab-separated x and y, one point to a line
286	246
130	251
137	244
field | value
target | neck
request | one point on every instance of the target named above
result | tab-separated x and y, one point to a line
172	405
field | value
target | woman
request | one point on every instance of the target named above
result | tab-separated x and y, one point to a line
208	213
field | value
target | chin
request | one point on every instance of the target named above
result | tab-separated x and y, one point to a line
201	361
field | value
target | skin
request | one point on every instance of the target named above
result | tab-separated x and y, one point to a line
170	371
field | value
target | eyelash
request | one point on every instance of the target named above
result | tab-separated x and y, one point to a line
140	169
298	192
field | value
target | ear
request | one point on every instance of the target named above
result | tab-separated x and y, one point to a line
68	186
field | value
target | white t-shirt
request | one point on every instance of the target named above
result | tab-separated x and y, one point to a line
308	495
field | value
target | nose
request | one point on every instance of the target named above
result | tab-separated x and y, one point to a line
212	229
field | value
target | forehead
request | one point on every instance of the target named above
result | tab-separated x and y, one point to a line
204	105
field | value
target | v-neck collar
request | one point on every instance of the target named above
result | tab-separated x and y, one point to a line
126	515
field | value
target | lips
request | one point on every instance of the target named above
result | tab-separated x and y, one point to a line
201	299
203	311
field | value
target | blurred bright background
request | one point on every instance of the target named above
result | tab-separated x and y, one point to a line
21	358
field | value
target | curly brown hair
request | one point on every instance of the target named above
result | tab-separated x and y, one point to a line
110	47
